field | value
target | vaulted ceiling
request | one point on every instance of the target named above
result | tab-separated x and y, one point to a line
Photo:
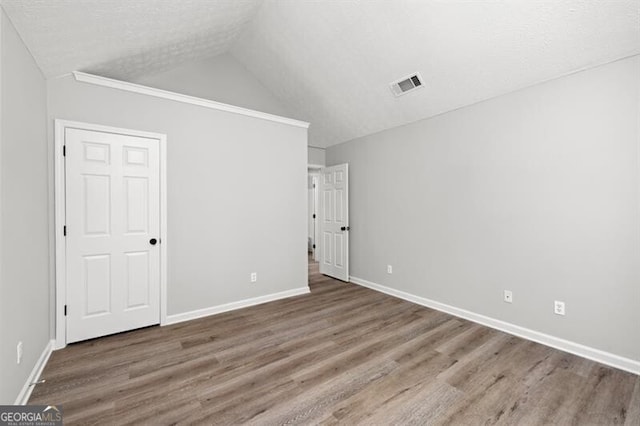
125	39
330	61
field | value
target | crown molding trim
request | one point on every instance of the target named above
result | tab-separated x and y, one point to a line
173	96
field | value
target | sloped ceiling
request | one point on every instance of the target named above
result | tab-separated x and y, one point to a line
331	61
125	39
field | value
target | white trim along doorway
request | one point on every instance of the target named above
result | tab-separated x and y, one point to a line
313	182
63	131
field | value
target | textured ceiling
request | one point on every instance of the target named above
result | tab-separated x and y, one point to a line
126	38
331	61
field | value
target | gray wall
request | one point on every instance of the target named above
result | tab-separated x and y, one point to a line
236	192
316	156
24	233
223	79
536	191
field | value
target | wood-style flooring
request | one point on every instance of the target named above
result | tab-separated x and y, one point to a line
340	355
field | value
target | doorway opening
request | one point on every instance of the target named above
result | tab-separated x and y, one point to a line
313	180
328	218
313	247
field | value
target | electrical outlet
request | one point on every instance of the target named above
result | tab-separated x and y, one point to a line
254	277
389	269
508	296
19	353
558	307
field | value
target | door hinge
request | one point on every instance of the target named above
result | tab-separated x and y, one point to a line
64	150
65	310
314	215
314	246
64	230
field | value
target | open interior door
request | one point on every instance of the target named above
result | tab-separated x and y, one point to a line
334	221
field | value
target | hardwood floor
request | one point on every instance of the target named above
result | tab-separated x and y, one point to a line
342	354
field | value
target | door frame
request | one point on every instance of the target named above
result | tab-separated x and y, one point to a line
313	171
60	218
315	177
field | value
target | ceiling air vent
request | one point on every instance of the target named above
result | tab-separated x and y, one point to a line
406	84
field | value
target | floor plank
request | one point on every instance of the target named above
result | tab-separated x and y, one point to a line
340	355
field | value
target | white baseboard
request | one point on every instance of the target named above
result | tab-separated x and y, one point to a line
25	392
187	316
593	354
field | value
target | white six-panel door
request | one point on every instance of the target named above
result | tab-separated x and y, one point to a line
112	216
334	221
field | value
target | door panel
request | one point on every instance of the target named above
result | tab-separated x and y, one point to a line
113	210
327	259
338	244
339	208
335	222
137	267
328	206
136	205
96	202
97	285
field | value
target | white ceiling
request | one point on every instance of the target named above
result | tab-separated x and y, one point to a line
331	61
125	39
